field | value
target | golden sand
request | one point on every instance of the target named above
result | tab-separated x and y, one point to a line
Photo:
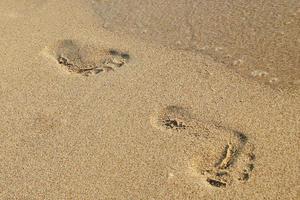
149	99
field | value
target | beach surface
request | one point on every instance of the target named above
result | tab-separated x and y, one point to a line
140	99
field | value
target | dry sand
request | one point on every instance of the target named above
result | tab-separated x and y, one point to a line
137	99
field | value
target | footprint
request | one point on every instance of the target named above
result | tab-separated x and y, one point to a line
86	59
227	156
235	166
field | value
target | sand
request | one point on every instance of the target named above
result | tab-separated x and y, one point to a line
122	100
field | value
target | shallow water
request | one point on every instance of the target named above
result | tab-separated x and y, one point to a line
258	39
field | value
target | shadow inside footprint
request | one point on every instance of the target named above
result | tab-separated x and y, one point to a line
216	183
86	59
171	118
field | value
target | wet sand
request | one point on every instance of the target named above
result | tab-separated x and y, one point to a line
257	39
